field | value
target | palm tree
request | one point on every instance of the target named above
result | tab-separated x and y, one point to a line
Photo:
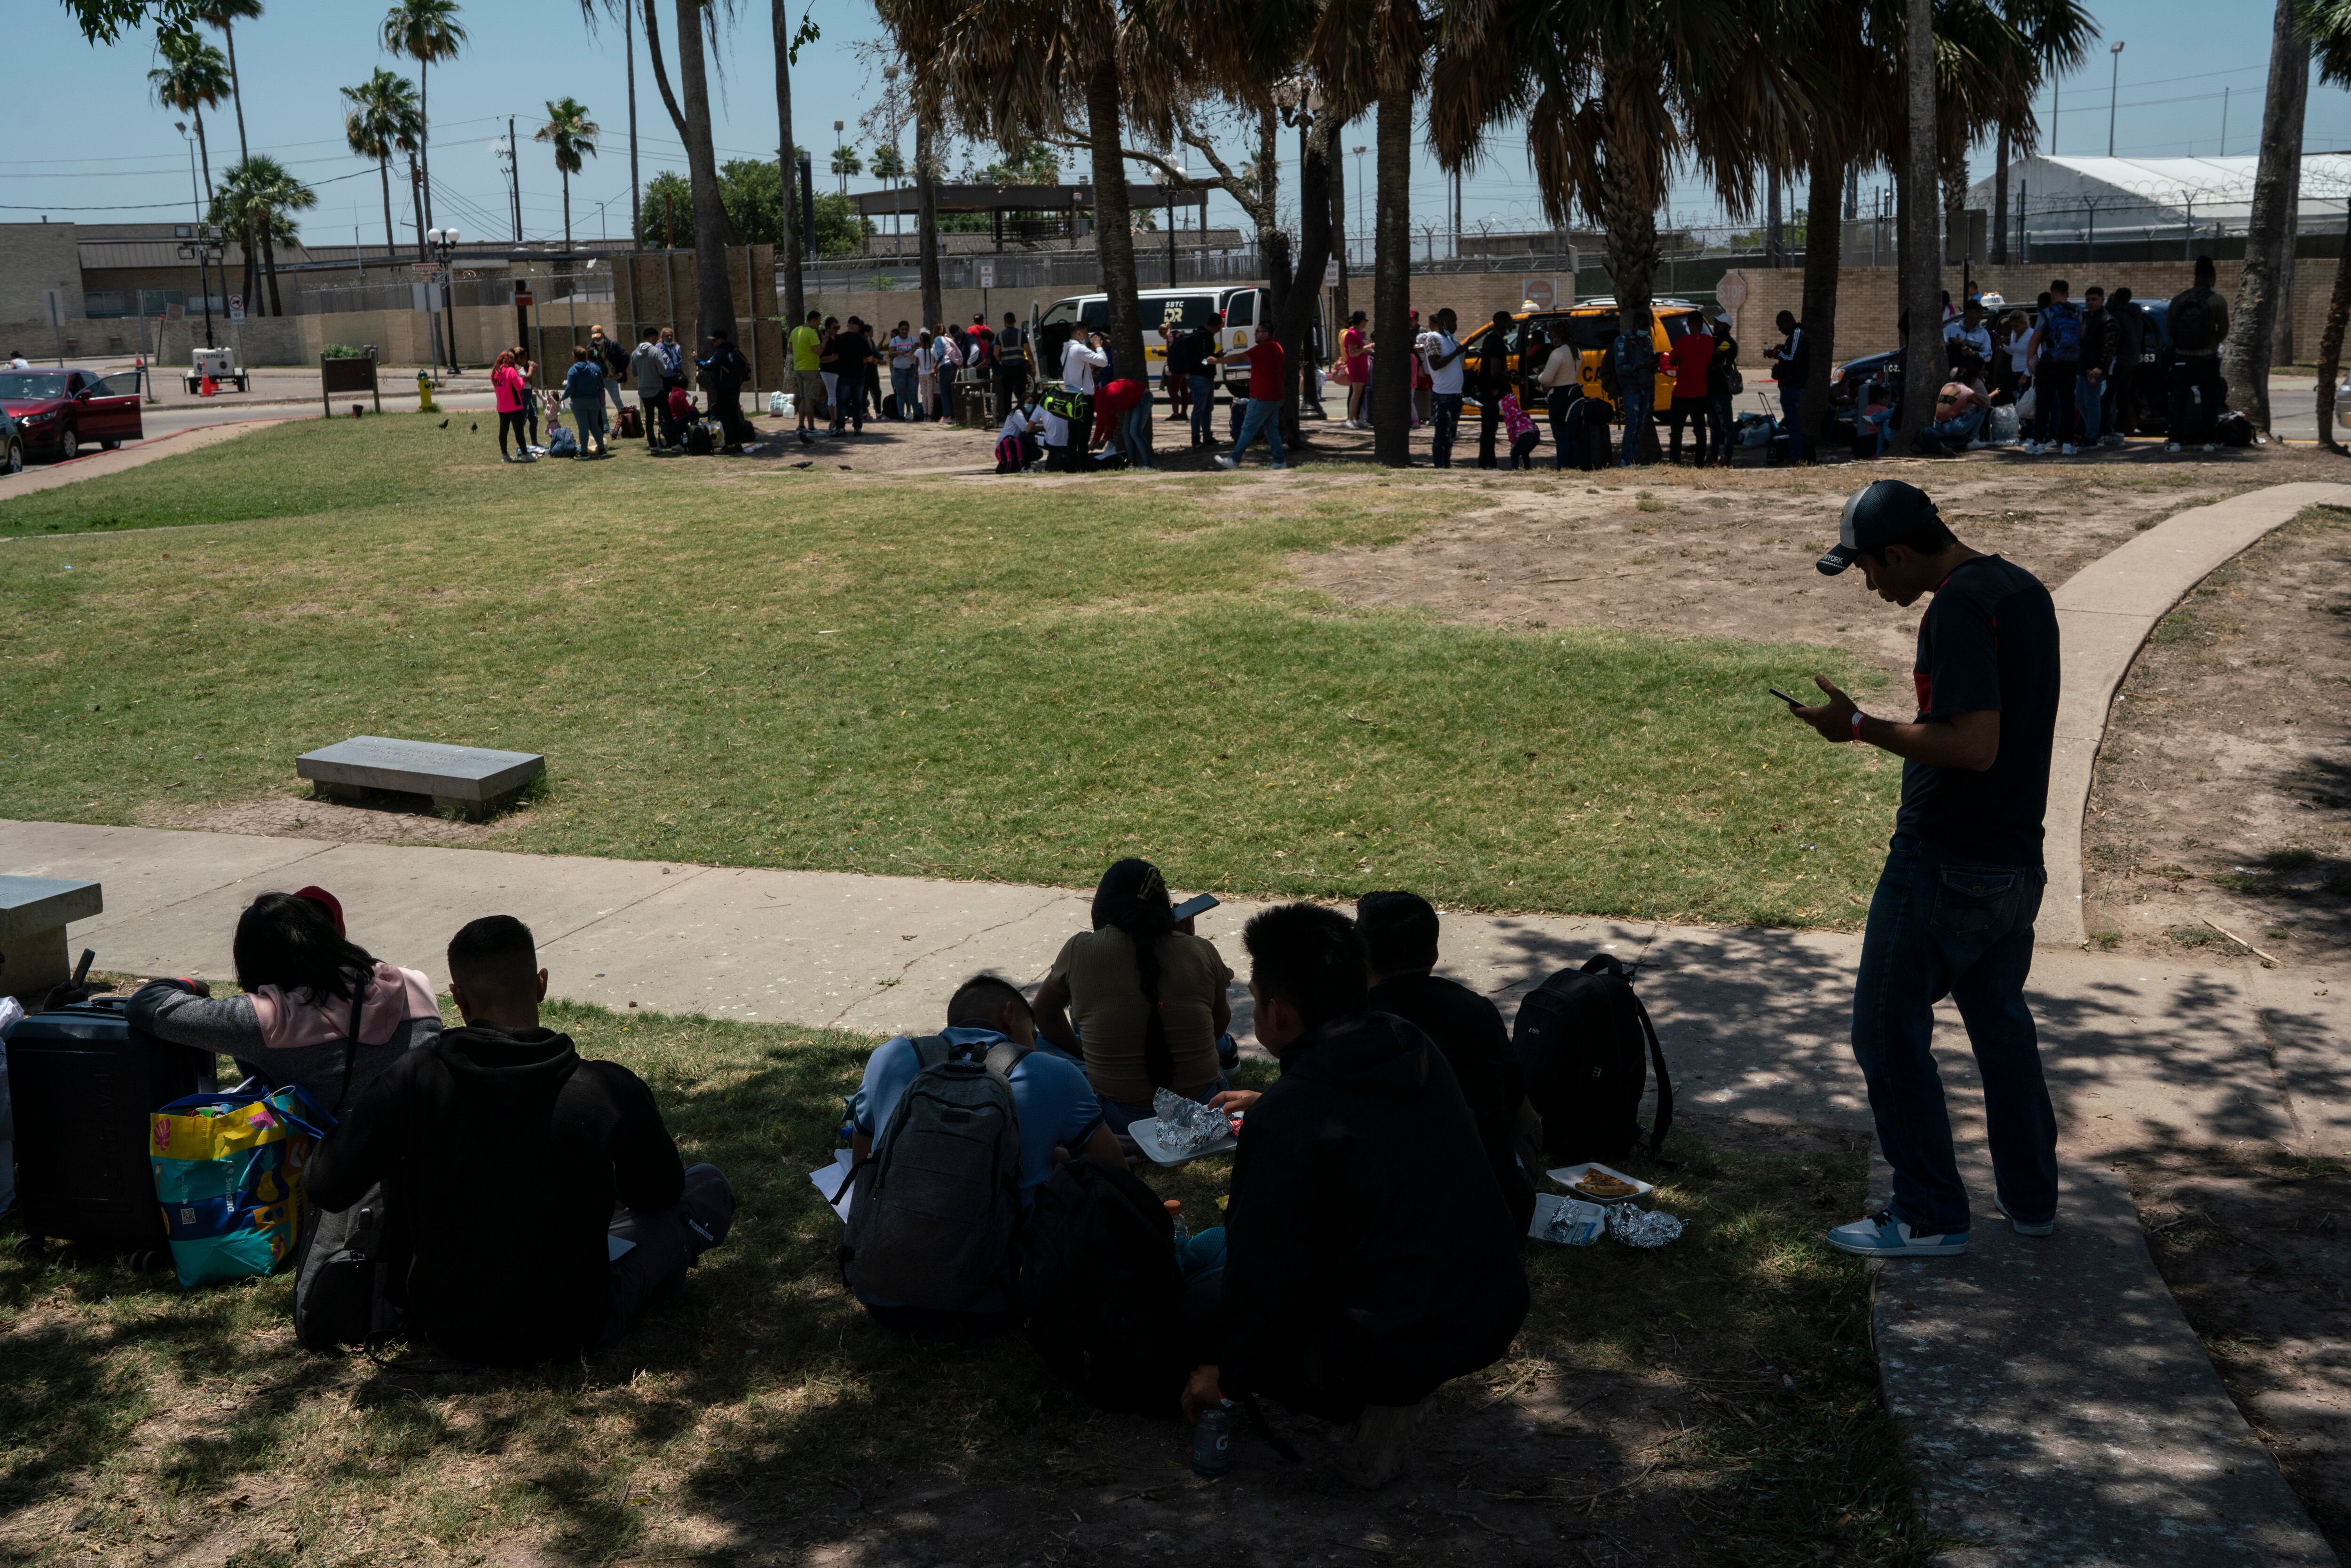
1058	74
383	120
1615	93
424	31
225	15
192	75
714	291
573	136
788	252
845	162
2058	32
2326	25
259	197
2270	228
1922	261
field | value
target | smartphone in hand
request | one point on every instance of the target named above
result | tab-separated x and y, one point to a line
1198	904
1784	697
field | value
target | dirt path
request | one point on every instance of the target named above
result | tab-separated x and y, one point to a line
1729	553
2223	789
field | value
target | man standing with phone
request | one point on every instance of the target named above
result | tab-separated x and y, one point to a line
1954	907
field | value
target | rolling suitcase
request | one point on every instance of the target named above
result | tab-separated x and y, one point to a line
84	1082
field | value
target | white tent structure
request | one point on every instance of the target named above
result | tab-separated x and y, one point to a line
2068	199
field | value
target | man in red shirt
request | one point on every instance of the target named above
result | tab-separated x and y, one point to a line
1266	385
1691	358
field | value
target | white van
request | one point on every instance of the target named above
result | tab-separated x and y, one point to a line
1234	312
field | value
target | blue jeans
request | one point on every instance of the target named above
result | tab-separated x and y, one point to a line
613	389
1718	418
1954	433
1941	925
1792	419
1134	434
1264	414
1203	408
903	388
2085	398
1447	421
1637	426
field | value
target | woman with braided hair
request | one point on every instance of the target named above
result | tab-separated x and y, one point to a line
1140	1001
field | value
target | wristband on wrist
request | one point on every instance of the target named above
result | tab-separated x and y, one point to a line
1857	717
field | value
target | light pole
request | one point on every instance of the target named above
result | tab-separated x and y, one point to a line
200	251
196	250
1180	179
897	207
1358	152
443	242
2113	92
836	158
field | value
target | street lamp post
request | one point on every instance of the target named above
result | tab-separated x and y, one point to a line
443	244
2113	92
836	157
201	251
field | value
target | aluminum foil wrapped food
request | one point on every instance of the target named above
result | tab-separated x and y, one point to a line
1642	1227
1186	1126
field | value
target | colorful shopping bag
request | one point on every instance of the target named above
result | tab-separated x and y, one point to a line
228	1175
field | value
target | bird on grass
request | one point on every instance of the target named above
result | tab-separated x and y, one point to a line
475	427
445	424
810	464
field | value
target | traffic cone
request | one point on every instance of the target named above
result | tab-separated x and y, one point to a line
210	388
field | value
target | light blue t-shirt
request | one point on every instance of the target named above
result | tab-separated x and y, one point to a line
1050	1094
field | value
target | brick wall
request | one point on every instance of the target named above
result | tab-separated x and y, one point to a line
34	259
1868	305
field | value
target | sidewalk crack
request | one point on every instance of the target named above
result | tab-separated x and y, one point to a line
1051	897
624	909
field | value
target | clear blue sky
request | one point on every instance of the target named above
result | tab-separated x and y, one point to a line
89	137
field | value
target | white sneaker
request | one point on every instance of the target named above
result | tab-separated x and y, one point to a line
2065	449
2033	449
1225	461
2210	447
1977	446
2171	447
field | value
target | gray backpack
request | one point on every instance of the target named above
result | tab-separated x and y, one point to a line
930	1220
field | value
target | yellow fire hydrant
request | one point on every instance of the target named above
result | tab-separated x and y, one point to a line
424	403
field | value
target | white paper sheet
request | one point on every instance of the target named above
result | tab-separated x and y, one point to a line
826	1180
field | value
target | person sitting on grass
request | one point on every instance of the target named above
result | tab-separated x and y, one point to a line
545	1200
1149	999
1017	450
682	412
1058	1117
1400	935
1961	408
1367	1254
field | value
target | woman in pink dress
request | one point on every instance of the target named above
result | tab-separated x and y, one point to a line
1355	356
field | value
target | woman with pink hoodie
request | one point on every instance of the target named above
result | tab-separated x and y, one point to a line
514	407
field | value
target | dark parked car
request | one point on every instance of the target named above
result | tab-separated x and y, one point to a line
13	460
2150	390
60	411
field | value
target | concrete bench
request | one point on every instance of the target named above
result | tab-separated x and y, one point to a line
33	911
465	779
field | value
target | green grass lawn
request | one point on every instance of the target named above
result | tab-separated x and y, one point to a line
139	1420
742	664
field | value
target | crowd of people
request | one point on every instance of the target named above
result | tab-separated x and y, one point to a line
838	366
1370	1248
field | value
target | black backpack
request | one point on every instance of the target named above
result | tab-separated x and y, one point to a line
1586	1043
2231	428
2189	319
1098	1290
699	442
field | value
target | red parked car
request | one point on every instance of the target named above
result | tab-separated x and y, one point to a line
58	412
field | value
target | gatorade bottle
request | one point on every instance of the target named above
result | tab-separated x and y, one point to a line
1212	1443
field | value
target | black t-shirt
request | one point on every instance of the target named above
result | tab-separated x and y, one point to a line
1988	640
1188	354
1469	1029
851	350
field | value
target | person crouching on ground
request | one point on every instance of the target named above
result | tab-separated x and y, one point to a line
544	1196
1367	1255
1016	445
920	1249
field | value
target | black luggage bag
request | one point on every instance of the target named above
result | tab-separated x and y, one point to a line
83	1083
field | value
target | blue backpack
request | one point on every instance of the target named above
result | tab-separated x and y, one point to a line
2064	324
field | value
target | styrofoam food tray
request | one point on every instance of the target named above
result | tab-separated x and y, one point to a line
1146	1133
1568	1176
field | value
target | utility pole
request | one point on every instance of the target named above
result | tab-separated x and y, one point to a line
514	178
629	48
2114	94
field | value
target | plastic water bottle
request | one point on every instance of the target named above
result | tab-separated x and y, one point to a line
1212	1443
1175	1217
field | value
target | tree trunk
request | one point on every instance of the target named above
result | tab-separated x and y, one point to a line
2330	351
2281	339
269	260
424	138
1342	304
1823	247
1999	246
1632	189
788	247
391	242
235	87
1314	157
1922	284
1114	225
1773	255
2253	315
566	204
1392	280
205	153
926	219
416	201
714	294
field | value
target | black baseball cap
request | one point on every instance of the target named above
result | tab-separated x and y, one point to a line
1878	515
